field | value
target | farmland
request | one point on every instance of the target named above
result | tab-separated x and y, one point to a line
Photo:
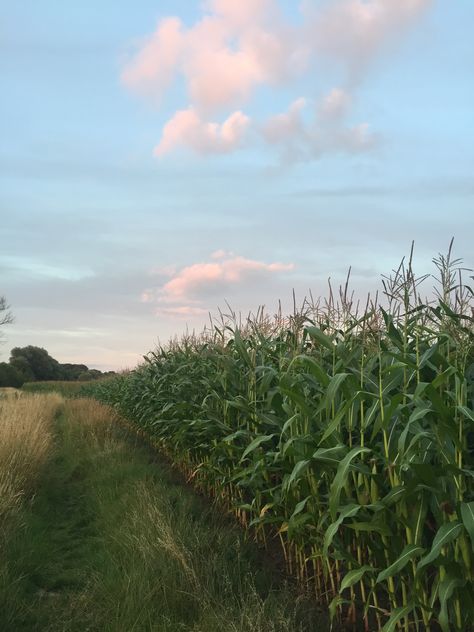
346	437
295	473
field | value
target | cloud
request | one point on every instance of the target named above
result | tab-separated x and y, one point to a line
301	138
153	67
355	31
186	128
199	279
239	46
183	311
335	105
187	291
241	12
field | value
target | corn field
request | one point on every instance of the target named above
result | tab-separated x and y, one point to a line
344	434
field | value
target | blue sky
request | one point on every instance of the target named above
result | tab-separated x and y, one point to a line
159	158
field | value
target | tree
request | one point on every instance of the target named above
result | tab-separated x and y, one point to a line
6	317
71	372
10	376
35	363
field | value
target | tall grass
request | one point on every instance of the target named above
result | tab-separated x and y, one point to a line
25	445
62	387
346	434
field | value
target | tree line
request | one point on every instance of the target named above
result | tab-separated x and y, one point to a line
34	364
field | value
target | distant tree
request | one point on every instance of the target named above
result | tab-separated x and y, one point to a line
10	376
6	317
35	363
90	374
71	372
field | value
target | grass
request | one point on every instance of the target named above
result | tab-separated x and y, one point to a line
114	542
62	387
25	447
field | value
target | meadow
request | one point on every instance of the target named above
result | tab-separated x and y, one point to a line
97	534
343	434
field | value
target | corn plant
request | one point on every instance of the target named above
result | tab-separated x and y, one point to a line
345	434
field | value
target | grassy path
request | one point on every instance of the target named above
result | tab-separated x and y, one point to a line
112	542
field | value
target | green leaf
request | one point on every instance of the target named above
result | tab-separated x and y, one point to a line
446	534
341	477
256	443
370	527
409	552
346	512
467	515
399	613
446	589
314	368
354	576
299	469
394	495
467	412
335	422
442	377
329	455
316	334
419	413
300	506
334	386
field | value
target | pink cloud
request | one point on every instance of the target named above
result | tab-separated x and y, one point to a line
187	293
323	131
238	46
194	280
186	128
153	67
286	125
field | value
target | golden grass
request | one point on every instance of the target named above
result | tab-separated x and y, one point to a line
9	392
25	443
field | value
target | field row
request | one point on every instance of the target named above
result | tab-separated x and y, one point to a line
348	438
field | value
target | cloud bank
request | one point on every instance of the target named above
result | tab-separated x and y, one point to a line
188	290
240	46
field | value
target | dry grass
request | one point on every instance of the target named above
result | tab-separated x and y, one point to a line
25	443
9	392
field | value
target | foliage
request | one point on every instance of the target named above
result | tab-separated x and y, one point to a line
34	364
10	376
6	317
347	436
78	388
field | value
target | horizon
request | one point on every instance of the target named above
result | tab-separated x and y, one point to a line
163	160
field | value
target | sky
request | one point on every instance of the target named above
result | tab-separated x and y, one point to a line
160	159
